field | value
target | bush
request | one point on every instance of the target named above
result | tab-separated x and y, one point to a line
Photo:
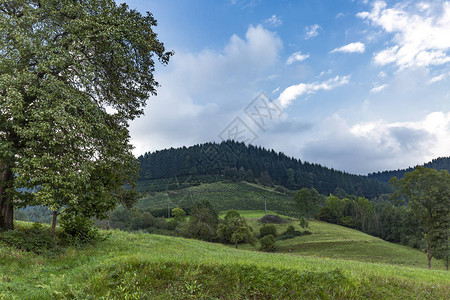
267	229
272	219
35	239
78	230
290	233
347	222
304	223
268	243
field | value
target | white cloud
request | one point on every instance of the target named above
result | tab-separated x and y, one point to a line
430	136
379	145
438	78
202	92
421	33
312	31
297	56
295	91
357	47
378	88
274	20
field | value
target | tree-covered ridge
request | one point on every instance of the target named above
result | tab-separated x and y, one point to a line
238	160
441	163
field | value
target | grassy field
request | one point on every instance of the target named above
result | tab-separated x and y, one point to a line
334	241
223	196
143	266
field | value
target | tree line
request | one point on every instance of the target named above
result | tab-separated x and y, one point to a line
417	214
239	161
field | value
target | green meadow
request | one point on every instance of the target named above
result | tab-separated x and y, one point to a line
144	266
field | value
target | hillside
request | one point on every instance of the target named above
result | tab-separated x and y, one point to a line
239	161
338	242
442	163
136	266
223	195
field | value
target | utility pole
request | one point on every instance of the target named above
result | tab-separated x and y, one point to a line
265	205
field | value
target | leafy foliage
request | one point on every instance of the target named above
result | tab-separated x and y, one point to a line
61	64
428	192
35	239
267	229
78	230
267	243
234	229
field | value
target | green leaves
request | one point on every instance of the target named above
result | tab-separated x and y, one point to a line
62	64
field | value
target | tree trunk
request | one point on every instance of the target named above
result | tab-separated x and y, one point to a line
55	217
429	256
6	201
447	263
235	244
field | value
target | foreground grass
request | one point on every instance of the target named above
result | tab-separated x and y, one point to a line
143	266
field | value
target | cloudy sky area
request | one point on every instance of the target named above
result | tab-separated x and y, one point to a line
359	86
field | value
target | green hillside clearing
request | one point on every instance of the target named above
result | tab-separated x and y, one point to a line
223	195
334	241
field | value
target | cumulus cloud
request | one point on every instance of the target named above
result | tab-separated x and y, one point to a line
297	56
357	47
312	31
421	33
380	145
295	91
197	88
274	20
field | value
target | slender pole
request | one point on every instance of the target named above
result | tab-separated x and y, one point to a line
265	205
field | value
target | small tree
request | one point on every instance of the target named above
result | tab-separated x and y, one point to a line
268	243
203	222
304	223
267	229
235	229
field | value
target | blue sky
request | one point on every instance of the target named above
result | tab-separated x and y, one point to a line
359	85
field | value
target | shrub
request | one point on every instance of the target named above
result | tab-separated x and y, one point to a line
290	233
268	243
78	230
347	222
35	239
267	229
304	223
272	219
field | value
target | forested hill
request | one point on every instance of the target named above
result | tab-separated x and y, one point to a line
246	162
442	163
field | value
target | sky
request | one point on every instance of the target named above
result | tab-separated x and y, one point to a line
360	86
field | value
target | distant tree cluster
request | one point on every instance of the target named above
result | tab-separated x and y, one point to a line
238	161
442	163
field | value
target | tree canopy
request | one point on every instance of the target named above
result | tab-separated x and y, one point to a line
428	192
72	75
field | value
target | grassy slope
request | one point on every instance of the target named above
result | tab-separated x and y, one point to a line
223	196
150	266
334	241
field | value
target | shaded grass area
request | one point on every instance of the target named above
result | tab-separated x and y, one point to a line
136	266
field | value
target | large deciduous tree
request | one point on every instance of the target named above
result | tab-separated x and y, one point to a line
428	192
308	201
72	75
